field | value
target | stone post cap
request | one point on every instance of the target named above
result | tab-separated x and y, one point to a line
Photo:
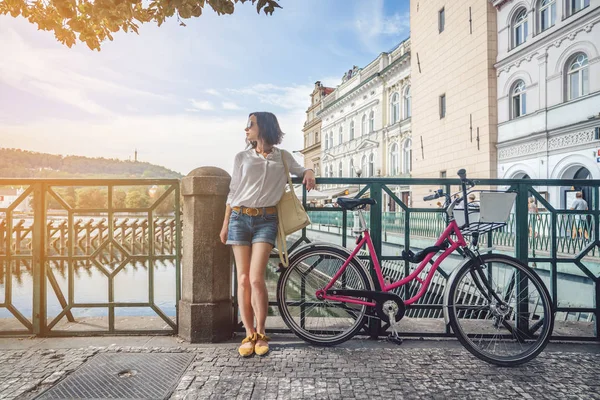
210	181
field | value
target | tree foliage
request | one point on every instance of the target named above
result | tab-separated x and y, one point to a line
94	21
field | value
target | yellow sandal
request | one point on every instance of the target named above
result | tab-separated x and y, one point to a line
261	350
248	351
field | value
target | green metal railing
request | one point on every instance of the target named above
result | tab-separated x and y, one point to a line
573	234
560	244
90	254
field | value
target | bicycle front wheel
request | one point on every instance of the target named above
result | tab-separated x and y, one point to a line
509	328
321	322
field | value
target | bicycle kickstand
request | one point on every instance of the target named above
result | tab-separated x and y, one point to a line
393	337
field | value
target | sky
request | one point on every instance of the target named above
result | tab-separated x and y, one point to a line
181	95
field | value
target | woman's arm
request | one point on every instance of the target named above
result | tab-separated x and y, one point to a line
298	170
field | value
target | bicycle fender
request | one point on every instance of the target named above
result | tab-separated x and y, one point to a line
451	279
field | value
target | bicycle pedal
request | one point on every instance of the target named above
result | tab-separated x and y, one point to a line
394	339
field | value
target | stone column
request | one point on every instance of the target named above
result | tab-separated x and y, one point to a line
205	309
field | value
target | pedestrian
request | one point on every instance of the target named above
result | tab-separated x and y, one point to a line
533	216
250	225
472	201
579	204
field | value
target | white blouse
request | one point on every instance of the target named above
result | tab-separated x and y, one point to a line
259	181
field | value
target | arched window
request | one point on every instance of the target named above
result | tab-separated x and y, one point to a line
316	137
371	121
363	129
351	168
352	130
326	171
340	170
407	156
395	108
326	144
341	135
547	14
372	165
331	171
363	166
331	139
518	100
520	28
576	5
394	164
407	103
578	76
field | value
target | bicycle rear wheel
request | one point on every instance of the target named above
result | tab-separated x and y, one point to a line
508	332
321	322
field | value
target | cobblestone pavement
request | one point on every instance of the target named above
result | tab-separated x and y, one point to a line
357	370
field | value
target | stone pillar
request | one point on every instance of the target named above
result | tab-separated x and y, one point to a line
205	309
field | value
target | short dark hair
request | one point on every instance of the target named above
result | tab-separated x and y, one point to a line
268	128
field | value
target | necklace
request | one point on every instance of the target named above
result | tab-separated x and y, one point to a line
264	153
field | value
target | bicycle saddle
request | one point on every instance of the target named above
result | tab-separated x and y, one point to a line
351	204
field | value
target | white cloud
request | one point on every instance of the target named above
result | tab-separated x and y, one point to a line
61	74
295	97
202	105
212	92
371	23
228	105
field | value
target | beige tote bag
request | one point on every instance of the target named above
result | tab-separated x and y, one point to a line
291	214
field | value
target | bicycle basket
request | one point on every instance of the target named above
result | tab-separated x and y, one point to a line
490	213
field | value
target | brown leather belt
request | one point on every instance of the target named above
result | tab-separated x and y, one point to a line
255	212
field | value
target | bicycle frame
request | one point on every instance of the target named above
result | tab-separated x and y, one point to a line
451	229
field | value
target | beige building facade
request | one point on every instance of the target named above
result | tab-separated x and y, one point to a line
454	117
312	129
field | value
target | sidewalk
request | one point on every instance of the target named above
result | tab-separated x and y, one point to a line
359	369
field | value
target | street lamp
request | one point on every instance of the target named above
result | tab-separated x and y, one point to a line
358	172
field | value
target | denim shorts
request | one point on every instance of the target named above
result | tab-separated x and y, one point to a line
245	230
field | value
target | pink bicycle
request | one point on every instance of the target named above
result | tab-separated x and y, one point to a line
498	307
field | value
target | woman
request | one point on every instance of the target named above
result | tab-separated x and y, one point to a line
250	224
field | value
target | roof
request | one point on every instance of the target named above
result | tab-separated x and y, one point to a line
328	90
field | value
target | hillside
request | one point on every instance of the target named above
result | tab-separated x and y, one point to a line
15	163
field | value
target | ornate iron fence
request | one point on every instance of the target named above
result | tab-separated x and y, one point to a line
89	262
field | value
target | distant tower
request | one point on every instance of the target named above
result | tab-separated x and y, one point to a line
135	157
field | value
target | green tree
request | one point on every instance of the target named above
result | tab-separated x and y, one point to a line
91	197
93	21
137	199
119	197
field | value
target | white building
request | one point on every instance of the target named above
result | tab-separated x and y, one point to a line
548	71
366	122
9	195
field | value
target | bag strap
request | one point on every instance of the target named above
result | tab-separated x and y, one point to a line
282	247
287	171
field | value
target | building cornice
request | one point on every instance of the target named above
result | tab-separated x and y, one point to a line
314	122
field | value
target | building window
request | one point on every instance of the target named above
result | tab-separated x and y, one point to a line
547	14
441	20
395	108
305	141
372	165
372	121
317	170
394	165
407	156
351	168
316	137
326	171
340	170
519	100
341	136
407	105
576	5
363	129
578	77
326	141
520	28
331	139
443	106
352	130
331	171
